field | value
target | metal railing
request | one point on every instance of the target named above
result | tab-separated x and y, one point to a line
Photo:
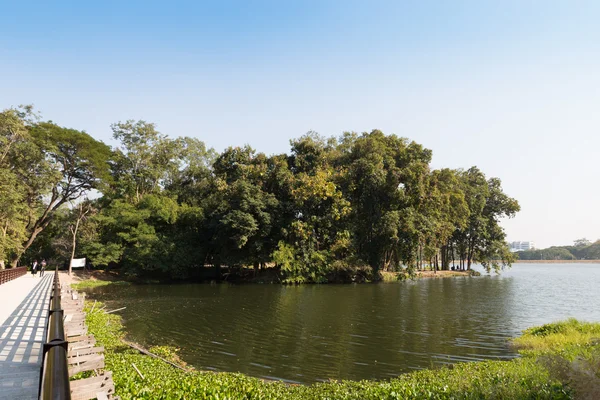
54	378
11	273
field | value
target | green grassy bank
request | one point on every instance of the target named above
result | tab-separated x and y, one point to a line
560	361
94	283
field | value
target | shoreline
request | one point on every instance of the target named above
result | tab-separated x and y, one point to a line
557	262
444	274
101	278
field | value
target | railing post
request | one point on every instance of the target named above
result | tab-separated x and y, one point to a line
54	377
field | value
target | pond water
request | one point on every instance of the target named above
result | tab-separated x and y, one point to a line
310	333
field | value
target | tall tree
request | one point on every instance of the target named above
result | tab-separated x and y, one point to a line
483	239
68	164
385	175
13	210
145	161
52	166
80	213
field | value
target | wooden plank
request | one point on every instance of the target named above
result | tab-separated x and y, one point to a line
68	302
86	389
80	346
87	366
84	351
81	343
75	332
84	338
72	304
81	359
94	380
75	320
76	316
72	308
74	311
75	325
92	392
69	330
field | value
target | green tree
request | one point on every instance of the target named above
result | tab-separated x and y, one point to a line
145	161
384	181
483	239
53	166
552	253
14	135
581	242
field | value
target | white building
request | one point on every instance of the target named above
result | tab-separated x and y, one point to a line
521	246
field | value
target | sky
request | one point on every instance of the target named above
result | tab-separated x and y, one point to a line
512	87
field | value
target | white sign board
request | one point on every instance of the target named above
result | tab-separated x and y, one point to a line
78	263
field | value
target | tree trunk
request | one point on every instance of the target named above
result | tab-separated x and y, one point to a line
74	243
17	257
470	253
42	222
256	265
218	271
445	258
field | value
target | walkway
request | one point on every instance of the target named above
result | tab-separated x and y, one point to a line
23	312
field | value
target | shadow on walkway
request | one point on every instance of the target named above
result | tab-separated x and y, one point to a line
21	339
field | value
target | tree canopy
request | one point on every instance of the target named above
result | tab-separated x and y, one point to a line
172	208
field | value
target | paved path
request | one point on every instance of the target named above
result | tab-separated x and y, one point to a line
23	312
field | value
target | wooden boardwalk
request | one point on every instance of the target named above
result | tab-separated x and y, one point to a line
83	354
23	315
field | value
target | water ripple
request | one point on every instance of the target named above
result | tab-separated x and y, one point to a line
304	334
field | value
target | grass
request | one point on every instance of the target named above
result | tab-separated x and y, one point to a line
529	377
94	283
569	350
570	336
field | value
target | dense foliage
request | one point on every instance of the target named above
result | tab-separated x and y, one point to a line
560	361
341	209
581	250
43	167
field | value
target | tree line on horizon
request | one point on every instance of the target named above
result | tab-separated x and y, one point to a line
167	208
582	249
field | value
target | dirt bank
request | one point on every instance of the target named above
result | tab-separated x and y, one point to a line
441	274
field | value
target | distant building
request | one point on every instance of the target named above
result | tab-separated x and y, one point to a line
521	246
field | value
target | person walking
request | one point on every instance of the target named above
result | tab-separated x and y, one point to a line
34	267
43	268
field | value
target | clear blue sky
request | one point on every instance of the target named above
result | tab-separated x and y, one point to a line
510	86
